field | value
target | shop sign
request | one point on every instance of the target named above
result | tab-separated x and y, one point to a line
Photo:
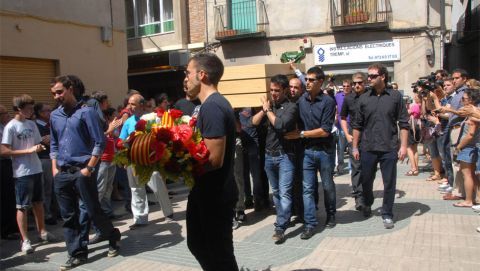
357	52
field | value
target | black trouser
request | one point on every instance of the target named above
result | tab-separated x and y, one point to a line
69	186
388	167
209	232
356	167
7	199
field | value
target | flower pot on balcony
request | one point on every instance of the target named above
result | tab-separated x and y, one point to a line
359	17
226	33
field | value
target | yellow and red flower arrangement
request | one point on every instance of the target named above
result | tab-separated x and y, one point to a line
167	142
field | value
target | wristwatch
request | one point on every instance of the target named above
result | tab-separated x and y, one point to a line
302	134
90	169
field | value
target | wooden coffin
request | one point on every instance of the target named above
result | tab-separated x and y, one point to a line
244	85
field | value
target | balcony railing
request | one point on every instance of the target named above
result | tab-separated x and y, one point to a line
351	14
240	19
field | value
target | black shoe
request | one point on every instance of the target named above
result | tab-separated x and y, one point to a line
51	221
96	239
128	208
115	217
240	216
330	222
307	233
367	211
278	237
248	203
113	243
136	226
151	203
73	262
359	204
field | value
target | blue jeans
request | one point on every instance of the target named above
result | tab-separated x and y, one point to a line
317	161
69	187
388	167
443	144
280	172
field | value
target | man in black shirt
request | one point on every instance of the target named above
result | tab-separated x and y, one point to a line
211	202
279	152
380	110
348	113
317	114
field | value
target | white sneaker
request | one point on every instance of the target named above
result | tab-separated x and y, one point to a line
478	229
447	190
476	208
443	186
27	247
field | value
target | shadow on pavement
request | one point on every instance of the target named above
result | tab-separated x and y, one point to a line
38	256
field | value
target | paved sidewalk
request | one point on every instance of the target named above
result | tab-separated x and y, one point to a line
429	234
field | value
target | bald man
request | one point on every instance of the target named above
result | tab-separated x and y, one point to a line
139	203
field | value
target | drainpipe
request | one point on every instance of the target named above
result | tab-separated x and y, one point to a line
442	32
206	23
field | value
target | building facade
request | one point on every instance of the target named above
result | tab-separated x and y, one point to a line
41	39
342	36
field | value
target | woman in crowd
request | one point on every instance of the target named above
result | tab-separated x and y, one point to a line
467	150
414	134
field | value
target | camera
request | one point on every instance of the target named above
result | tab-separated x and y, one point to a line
426	84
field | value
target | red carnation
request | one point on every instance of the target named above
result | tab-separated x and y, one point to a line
157	150
131	138
119	144
160	112
141	124
193	122
199	152
175	113
164	135
183	133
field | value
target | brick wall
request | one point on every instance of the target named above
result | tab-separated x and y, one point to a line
196	20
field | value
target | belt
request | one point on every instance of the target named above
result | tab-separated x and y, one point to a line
70	169
317	147
274	153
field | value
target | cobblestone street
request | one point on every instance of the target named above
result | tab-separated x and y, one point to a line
429	234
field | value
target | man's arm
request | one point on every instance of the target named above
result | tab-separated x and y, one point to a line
96	133
344	125
6	150
216	146
356	138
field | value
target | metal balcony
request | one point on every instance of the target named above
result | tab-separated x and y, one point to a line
240	20
360	14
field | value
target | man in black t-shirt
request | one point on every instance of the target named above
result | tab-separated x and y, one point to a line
211	202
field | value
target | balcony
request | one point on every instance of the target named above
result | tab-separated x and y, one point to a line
240	19
360	14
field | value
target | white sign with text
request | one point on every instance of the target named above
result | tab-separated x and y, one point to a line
357	52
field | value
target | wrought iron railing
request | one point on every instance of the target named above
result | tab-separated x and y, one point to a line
354	12
240	18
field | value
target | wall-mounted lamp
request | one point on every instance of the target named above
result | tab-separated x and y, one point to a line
430	56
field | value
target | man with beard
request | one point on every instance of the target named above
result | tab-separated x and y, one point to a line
279	153
350	110
76	144
210	207
380	111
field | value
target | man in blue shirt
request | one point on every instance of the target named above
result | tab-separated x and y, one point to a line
76	144
317	114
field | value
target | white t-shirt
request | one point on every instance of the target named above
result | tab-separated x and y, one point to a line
21	135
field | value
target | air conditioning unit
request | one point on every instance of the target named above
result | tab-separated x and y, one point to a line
178	58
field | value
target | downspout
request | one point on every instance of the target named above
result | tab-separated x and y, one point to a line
111	19
206	23
442	32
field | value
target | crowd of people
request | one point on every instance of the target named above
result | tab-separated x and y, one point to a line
300	130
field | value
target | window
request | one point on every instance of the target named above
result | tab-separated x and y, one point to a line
148	17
